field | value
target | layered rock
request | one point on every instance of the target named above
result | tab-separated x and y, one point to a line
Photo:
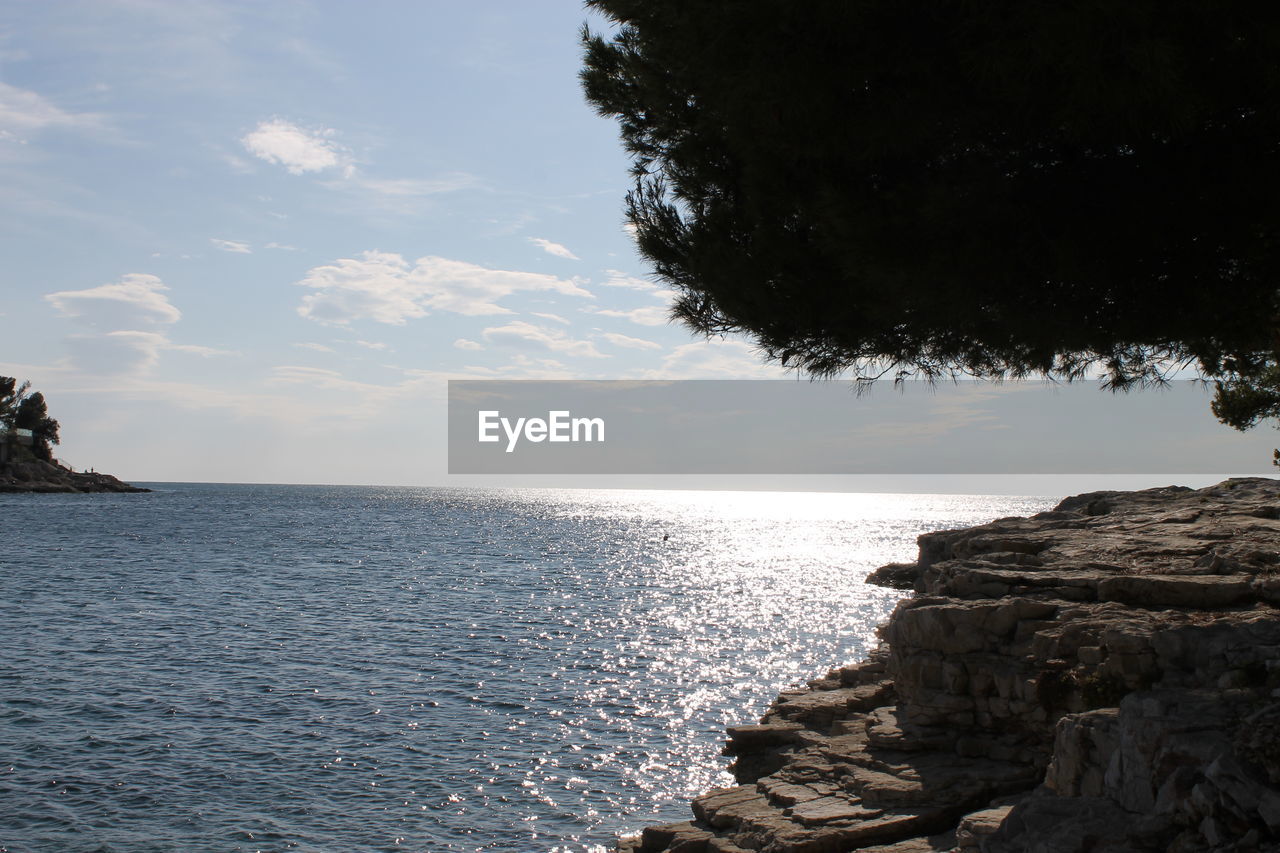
1104	676
39	476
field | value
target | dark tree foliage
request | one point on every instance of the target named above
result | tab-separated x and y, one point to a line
11	394
999	189
19	410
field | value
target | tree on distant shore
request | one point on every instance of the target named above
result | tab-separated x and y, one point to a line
993	190
20	410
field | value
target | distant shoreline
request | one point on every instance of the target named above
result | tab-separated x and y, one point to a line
38	477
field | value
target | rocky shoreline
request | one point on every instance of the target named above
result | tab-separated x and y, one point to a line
46	477
1101	677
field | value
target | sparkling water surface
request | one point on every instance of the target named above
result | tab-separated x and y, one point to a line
240	668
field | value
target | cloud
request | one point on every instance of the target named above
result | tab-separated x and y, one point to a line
281	246
621	279
124	352
374	345
406	188
316	347
384	287
137	299
463	343
553	248
715	359
322	378
555	318
23	112
121	310
116	352
298	150
650	316
521	366
630	343
231	246
395	196
518	333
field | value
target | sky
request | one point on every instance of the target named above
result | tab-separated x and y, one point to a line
251	242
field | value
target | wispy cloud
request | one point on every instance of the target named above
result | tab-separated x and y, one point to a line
621	279
648	316
518	333
313	346
136	299
556	249
281	246
395	196
629	342
297	149
384	287
127	351
405	188
555	318
125	314
373	345
234	246
463	343
714	359
23	112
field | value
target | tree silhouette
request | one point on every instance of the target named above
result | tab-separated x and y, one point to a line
19	410
991	189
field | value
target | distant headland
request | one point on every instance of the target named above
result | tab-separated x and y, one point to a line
27	435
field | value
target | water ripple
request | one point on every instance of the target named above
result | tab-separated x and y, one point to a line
213	668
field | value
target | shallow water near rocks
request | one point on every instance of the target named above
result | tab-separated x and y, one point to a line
218	667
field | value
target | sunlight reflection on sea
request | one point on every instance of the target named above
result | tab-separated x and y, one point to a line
318	668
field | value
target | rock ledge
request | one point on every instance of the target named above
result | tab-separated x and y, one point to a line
38	476
1101	677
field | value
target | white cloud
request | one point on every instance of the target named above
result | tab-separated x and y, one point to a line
554	248
555	318
116	352
322	378
715	359
126	352
521	366
651	316
518	333
234	246
463	343
406	188
621	279
298	150
316	347
628	342
394	196
374	345
23	111
281	246
384	287
136	299
122	310
195	349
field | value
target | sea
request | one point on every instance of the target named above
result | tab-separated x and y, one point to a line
214	667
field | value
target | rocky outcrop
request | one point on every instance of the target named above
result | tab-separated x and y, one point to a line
39	476
1104	676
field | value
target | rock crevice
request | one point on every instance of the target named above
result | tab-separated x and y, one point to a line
1104	676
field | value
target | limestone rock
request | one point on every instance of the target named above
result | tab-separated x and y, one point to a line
46	477
1102	677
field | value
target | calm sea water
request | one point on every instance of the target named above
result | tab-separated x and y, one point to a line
241	668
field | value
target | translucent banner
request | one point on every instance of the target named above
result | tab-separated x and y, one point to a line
800	427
